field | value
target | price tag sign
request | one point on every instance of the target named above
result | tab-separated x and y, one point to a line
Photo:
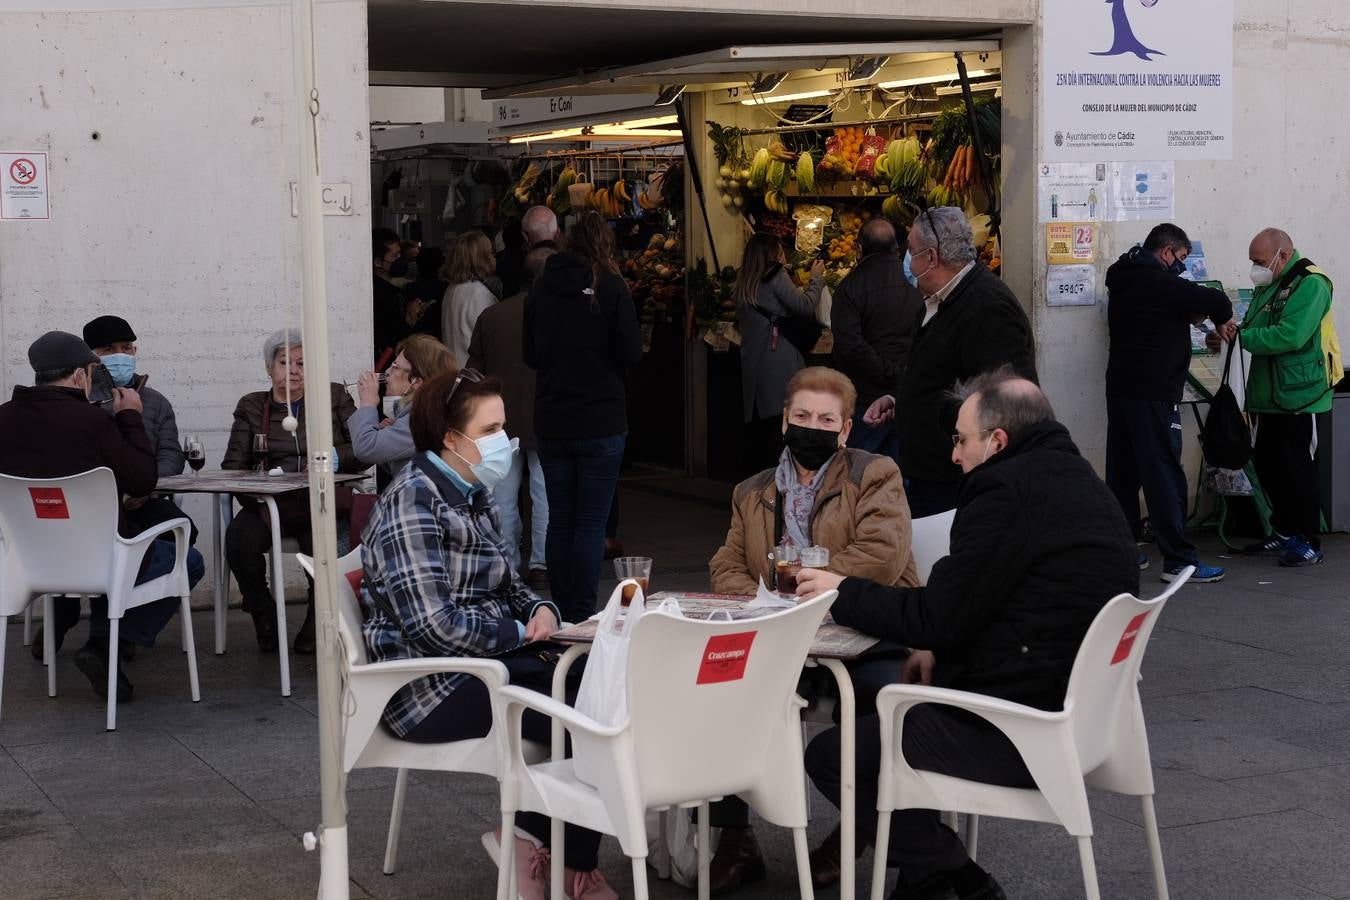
1071	286
1070	243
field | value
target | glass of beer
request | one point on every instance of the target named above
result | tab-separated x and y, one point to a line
638	568
814	557
786	565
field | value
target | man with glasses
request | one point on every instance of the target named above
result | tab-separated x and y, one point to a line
970	323
1038	547
1150	313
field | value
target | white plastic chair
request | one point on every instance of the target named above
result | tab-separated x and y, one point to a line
59	536
367	688
1097	740
930	541
684	743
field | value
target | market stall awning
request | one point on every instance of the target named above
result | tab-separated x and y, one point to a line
738	65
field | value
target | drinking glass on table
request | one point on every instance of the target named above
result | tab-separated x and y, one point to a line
814	557
786	565
639	568
195	453
260	453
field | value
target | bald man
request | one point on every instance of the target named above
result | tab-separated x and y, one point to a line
540	227
1038	547
874	316
1289	334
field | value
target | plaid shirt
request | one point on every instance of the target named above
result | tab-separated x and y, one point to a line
438	582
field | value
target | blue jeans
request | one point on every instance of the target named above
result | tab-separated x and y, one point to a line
581	477
141	624
1143	450
879	439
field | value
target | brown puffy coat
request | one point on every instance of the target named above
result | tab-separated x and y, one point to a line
861	516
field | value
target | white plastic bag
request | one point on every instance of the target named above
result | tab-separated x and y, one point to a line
681	844
603	695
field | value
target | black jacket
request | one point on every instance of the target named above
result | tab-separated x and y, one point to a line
52	432
978	328
1149	313
390	324
873	318
1038	546
579	344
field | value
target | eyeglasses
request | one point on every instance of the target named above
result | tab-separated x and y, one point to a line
405	369
928	214
473	376
958	439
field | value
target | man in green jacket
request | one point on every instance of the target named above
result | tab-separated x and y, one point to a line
1288	386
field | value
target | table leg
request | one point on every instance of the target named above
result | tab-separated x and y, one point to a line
847	777
220	514
279	597
558	749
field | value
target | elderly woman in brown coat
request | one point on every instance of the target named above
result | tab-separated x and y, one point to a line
825	494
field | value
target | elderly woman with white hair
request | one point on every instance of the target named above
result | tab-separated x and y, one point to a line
249	536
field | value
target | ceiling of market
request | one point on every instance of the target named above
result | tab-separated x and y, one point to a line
494	44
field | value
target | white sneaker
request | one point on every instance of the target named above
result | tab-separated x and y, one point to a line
532	864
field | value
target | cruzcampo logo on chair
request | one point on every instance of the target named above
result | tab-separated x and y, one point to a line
1125	41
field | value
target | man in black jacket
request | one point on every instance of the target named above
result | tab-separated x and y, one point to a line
970	324
1150	311
1038	547
873	317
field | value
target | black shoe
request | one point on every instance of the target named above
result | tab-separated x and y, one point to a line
934	887
737	861
825	866
265	624
127	649
92	660
36	649
304	641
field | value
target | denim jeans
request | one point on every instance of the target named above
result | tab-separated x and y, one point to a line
581	477
141	624
879	439
507	497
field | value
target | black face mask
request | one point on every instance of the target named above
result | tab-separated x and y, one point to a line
1177	267
812	447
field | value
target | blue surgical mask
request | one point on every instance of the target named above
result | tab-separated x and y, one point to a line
121	366
909	275
497	451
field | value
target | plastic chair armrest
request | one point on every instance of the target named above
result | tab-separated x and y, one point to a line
899	698
513	697
489	671
183	525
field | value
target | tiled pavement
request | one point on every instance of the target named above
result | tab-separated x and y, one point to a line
1247	695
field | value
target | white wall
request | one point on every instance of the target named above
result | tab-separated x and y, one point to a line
1289	169
406	105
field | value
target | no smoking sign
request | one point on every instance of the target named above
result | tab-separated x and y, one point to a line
23	171
23	186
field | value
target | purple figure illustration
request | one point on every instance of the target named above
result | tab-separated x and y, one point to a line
1125	41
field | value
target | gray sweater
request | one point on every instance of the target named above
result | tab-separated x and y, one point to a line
390	447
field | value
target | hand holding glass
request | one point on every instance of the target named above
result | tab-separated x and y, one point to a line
786	565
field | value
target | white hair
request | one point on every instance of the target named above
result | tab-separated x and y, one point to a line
279	340
538	224
947	229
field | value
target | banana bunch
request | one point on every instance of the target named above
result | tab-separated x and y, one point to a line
902	167
943	196
806	174
526	183
610	202
775	201
558	199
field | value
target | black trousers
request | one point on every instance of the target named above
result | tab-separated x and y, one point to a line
928	498
467	713
1287	467
882	666
1143	449
936	739
247	542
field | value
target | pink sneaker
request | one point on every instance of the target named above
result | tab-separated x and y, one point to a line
532	864
587	885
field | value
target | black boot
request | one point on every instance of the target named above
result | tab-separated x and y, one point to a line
265	624
92	660
737	861
304	641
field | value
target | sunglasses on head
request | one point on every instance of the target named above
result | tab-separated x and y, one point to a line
473	376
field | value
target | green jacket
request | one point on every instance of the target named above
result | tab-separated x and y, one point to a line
1282	330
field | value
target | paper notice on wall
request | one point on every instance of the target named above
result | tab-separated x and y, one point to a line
1071	286
1072	192
1070	243
1142	191
23	186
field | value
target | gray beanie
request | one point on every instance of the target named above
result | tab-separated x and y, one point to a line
57	351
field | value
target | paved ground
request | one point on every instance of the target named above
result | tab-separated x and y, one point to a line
1247	697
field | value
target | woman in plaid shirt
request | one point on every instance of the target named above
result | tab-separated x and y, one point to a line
438	581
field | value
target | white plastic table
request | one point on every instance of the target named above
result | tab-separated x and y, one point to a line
834	646
222	485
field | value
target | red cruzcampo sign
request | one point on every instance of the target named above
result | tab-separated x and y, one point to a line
49	503
724	657
1127	639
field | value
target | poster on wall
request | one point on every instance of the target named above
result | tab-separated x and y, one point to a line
1072	192
1071	286
1142	191
1137	79
1070	243
23	186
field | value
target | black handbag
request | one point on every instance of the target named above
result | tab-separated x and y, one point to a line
1225	437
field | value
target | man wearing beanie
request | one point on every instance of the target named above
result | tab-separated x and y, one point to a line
113	341
55	432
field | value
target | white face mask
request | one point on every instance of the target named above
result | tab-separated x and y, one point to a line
1264	275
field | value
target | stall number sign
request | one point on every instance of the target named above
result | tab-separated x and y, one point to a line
49	503
1070	243
1071	285
725	657
1127	639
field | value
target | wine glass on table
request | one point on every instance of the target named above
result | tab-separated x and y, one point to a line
260	453
195	453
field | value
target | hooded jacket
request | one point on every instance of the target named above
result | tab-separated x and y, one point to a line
1038	547
1149	314
873	318
580	335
